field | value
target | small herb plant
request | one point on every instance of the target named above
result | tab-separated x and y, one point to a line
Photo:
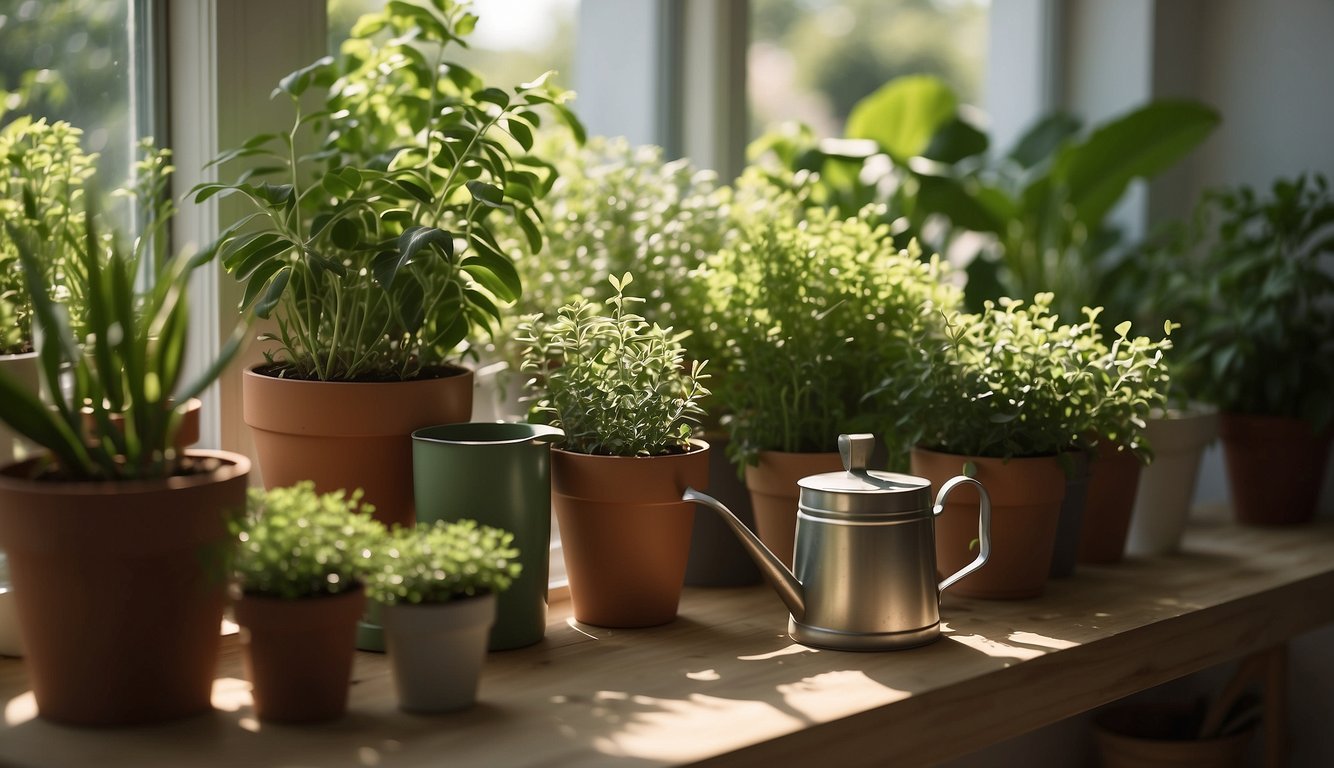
617	385
441	562
126	360
295	543
376	254
815	312
1258	322
42	191
1015	382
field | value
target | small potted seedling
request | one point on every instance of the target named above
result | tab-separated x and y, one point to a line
438	586
300	571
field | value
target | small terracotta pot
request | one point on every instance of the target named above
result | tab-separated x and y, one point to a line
1113	480
774	494
436	651
186	435
1275	468
120	589
1167	484
1026	499
349	434
625	532
298	653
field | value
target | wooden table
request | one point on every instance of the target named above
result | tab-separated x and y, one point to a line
724	686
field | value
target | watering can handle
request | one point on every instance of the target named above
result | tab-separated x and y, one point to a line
983	525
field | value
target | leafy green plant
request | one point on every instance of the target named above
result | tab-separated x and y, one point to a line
41	190
443	561
1258	314
617	385
376	254
815	312
295	543
129	361
1014	381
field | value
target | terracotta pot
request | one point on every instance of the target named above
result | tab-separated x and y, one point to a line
1066	551
297	654
349	434
1149	735
1026	499
120	589
436	651
774	493
717	558
1113	479
186	435
625	532
1167	484
1275	468
22	369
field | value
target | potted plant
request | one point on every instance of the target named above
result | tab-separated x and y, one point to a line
814	312
619	388
42	185
300	567
438	584
1262	326
618	208
376	256
148	569
1000	396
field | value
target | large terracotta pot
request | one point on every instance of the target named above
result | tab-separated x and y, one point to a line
1026	499
297	654
625	532
1167	484
349	434
1275	468
774	493
1113	479
120	589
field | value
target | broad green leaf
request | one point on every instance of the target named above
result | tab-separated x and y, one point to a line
274	292
342	182
964	207
903	115
411	243
1141	144
297	82
1042	140
487	194
955	141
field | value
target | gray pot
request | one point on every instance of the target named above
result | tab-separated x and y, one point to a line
436	651
1167	484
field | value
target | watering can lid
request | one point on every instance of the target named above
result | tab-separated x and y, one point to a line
860	491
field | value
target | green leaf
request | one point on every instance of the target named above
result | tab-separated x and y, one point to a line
342	183
274	292
297	82
488	261
955	141
903	115
1141	144
410	243
487	194
944	195
1044	138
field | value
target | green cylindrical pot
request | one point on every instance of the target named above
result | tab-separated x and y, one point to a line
498	474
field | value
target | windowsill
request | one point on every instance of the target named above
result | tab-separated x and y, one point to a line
724	685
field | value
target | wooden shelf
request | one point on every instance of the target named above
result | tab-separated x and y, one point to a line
724	686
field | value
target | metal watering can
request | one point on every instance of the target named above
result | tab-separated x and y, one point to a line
865	556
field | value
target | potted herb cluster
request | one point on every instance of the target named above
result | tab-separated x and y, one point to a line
1261	325
620	389
814	311
300	565
438	585
1000	397
148	570
376	256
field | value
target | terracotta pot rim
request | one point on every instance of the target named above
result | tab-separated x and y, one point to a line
254	371
971	457
234	464
697	446
1237	418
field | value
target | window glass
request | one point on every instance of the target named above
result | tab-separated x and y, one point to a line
812	60
515	40
73	60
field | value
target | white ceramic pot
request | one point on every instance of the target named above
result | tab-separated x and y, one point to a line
436	651
1167	485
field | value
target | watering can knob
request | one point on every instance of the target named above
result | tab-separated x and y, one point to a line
856	451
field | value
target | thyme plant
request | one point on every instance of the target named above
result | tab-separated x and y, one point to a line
617	385
441	562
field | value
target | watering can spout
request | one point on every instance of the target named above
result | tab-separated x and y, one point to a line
782	580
